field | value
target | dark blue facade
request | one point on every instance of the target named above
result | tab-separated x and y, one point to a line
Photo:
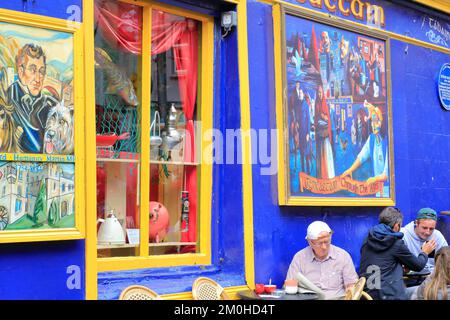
421	132
43	270
421	141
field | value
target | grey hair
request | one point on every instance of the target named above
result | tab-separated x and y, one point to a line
390	216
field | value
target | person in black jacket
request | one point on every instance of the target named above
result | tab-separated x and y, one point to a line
384	254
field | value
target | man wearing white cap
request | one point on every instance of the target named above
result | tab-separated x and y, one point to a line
328	267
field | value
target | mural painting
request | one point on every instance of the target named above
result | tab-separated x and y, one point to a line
36	90
337	112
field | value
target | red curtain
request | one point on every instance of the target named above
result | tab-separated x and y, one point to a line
120	24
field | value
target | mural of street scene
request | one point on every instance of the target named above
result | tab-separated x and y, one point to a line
36	195
337	111
36	90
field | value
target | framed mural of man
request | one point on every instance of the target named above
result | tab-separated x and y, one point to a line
341	154
40	89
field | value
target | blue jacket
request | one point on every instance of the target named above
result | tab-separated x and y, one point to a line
385	249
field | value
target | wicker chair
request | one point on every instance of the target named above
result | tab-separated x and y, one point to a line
207	289
357	291
136	292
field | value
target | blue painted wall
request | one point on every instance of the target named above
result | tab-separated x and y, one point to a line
42	270
62	9
38	270
421	131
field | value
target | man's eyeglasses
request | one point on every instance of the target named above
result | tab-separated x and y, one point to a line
320	243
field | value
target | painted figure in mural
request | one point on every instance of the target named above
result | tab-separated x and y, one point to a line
365	72
294	101
31	103
361	127
343	49
9	133
328	267
304	122
383	251
353	72
374	149
325	49
359	74
324	137
375	68
301	127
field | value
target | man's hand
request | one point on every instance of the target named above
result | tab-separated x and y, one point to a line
429	246
371	180
347	173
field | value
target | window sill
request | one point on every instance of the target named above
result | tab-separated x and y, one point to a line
174	283
132	263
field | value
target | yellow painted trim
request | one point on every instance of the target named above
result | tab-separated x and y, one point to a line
170	9
233	1
230	291
442	5
170	260
276	13
90	146
38	21
78	231
144	180
38	235
205	92
205	107
348	202
389	34
247	178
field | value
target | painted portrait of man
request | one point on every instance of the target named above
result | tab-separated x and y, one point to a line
31	103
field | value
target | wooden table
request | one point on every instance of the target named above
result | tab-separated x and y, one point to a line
251	295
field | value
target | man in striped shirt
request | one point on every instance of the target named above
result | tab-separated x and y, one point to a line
330	268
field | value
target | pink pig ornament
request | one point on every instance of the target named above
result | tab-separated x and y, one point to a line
158	222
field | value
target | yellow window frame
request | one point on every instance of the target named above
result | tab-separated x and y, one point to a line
205	112
78	231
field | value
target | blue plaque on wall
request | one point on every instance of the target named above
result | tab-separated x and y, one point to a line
444	86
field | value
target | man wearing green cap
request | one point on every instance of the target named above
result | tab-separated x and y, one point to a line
421	230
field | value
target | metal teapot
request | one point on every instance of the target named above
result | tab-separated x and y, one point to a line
172	137
110	231
155	139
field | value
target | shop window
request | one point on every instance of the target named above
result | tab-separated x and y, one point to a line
148	71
